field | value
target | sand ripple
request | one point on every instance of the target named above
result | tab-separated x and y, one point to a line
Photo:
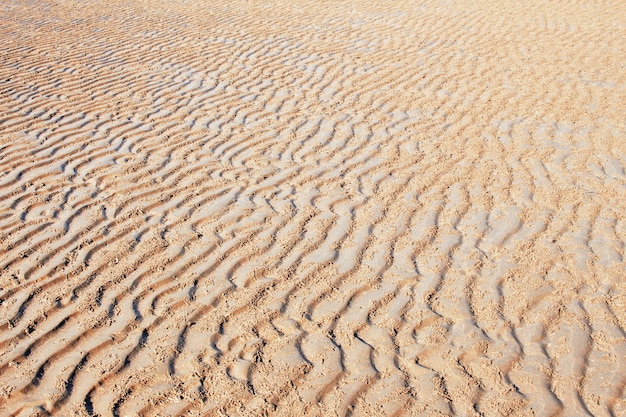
312	208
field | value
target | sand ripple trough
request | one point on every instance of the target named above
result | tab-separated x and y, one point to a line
314	208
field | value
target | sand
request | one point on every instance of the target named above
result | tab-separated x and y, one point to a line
315	208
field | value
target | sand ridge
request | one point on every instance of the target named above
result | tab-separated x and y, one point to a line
312	208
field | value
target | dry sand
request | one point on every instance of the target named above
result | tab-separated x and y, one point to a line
312	208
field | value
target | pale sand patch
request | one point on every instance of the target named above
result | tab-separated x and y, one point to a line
312	208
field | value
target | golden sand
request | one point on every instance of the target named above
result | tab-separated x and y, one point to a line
315	208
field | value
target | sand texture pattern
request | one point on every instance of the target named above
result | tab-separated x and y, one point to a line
316	208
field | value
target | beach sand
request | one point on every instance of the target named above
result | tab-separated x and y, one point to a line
319	208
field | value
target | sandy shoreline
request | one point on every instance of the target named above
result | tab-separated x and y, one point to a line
312	208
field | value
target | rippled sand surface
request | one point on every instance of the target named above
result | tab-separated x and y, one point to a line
315	208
